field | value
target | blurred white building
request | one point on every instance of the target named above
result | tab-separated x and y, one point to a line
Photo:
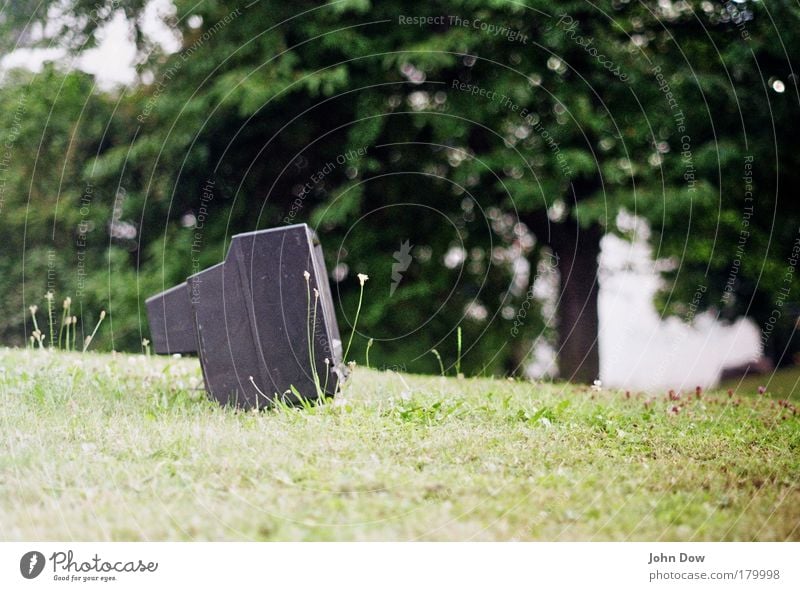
641	350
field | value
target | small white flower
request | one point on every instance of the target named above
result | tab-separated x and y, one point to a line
307	275
362	278
597	385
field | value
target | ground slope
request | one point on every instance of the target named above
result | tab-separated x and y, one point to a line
102	447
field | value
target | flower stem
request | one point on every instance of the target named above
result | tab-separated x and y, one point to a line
94	332
439	358
369	346
458	359
314	372
33	316
51	320
61	330
355	322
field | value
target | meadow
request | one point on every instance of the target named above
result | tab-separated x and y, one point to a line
127	447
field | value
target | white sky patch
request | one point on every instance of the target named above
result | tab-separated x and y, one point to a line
113	60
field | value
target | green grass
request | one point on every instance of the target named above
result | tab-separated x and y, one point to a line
783	382
122	447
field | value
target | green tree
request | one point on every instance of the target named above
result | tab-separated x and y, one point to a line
492	132
55	222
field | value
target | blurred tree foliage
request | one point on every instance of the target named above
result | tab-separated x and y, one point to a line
493	136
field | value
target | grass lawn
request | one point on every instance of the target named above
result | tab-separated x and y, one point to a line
784	383
102	447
